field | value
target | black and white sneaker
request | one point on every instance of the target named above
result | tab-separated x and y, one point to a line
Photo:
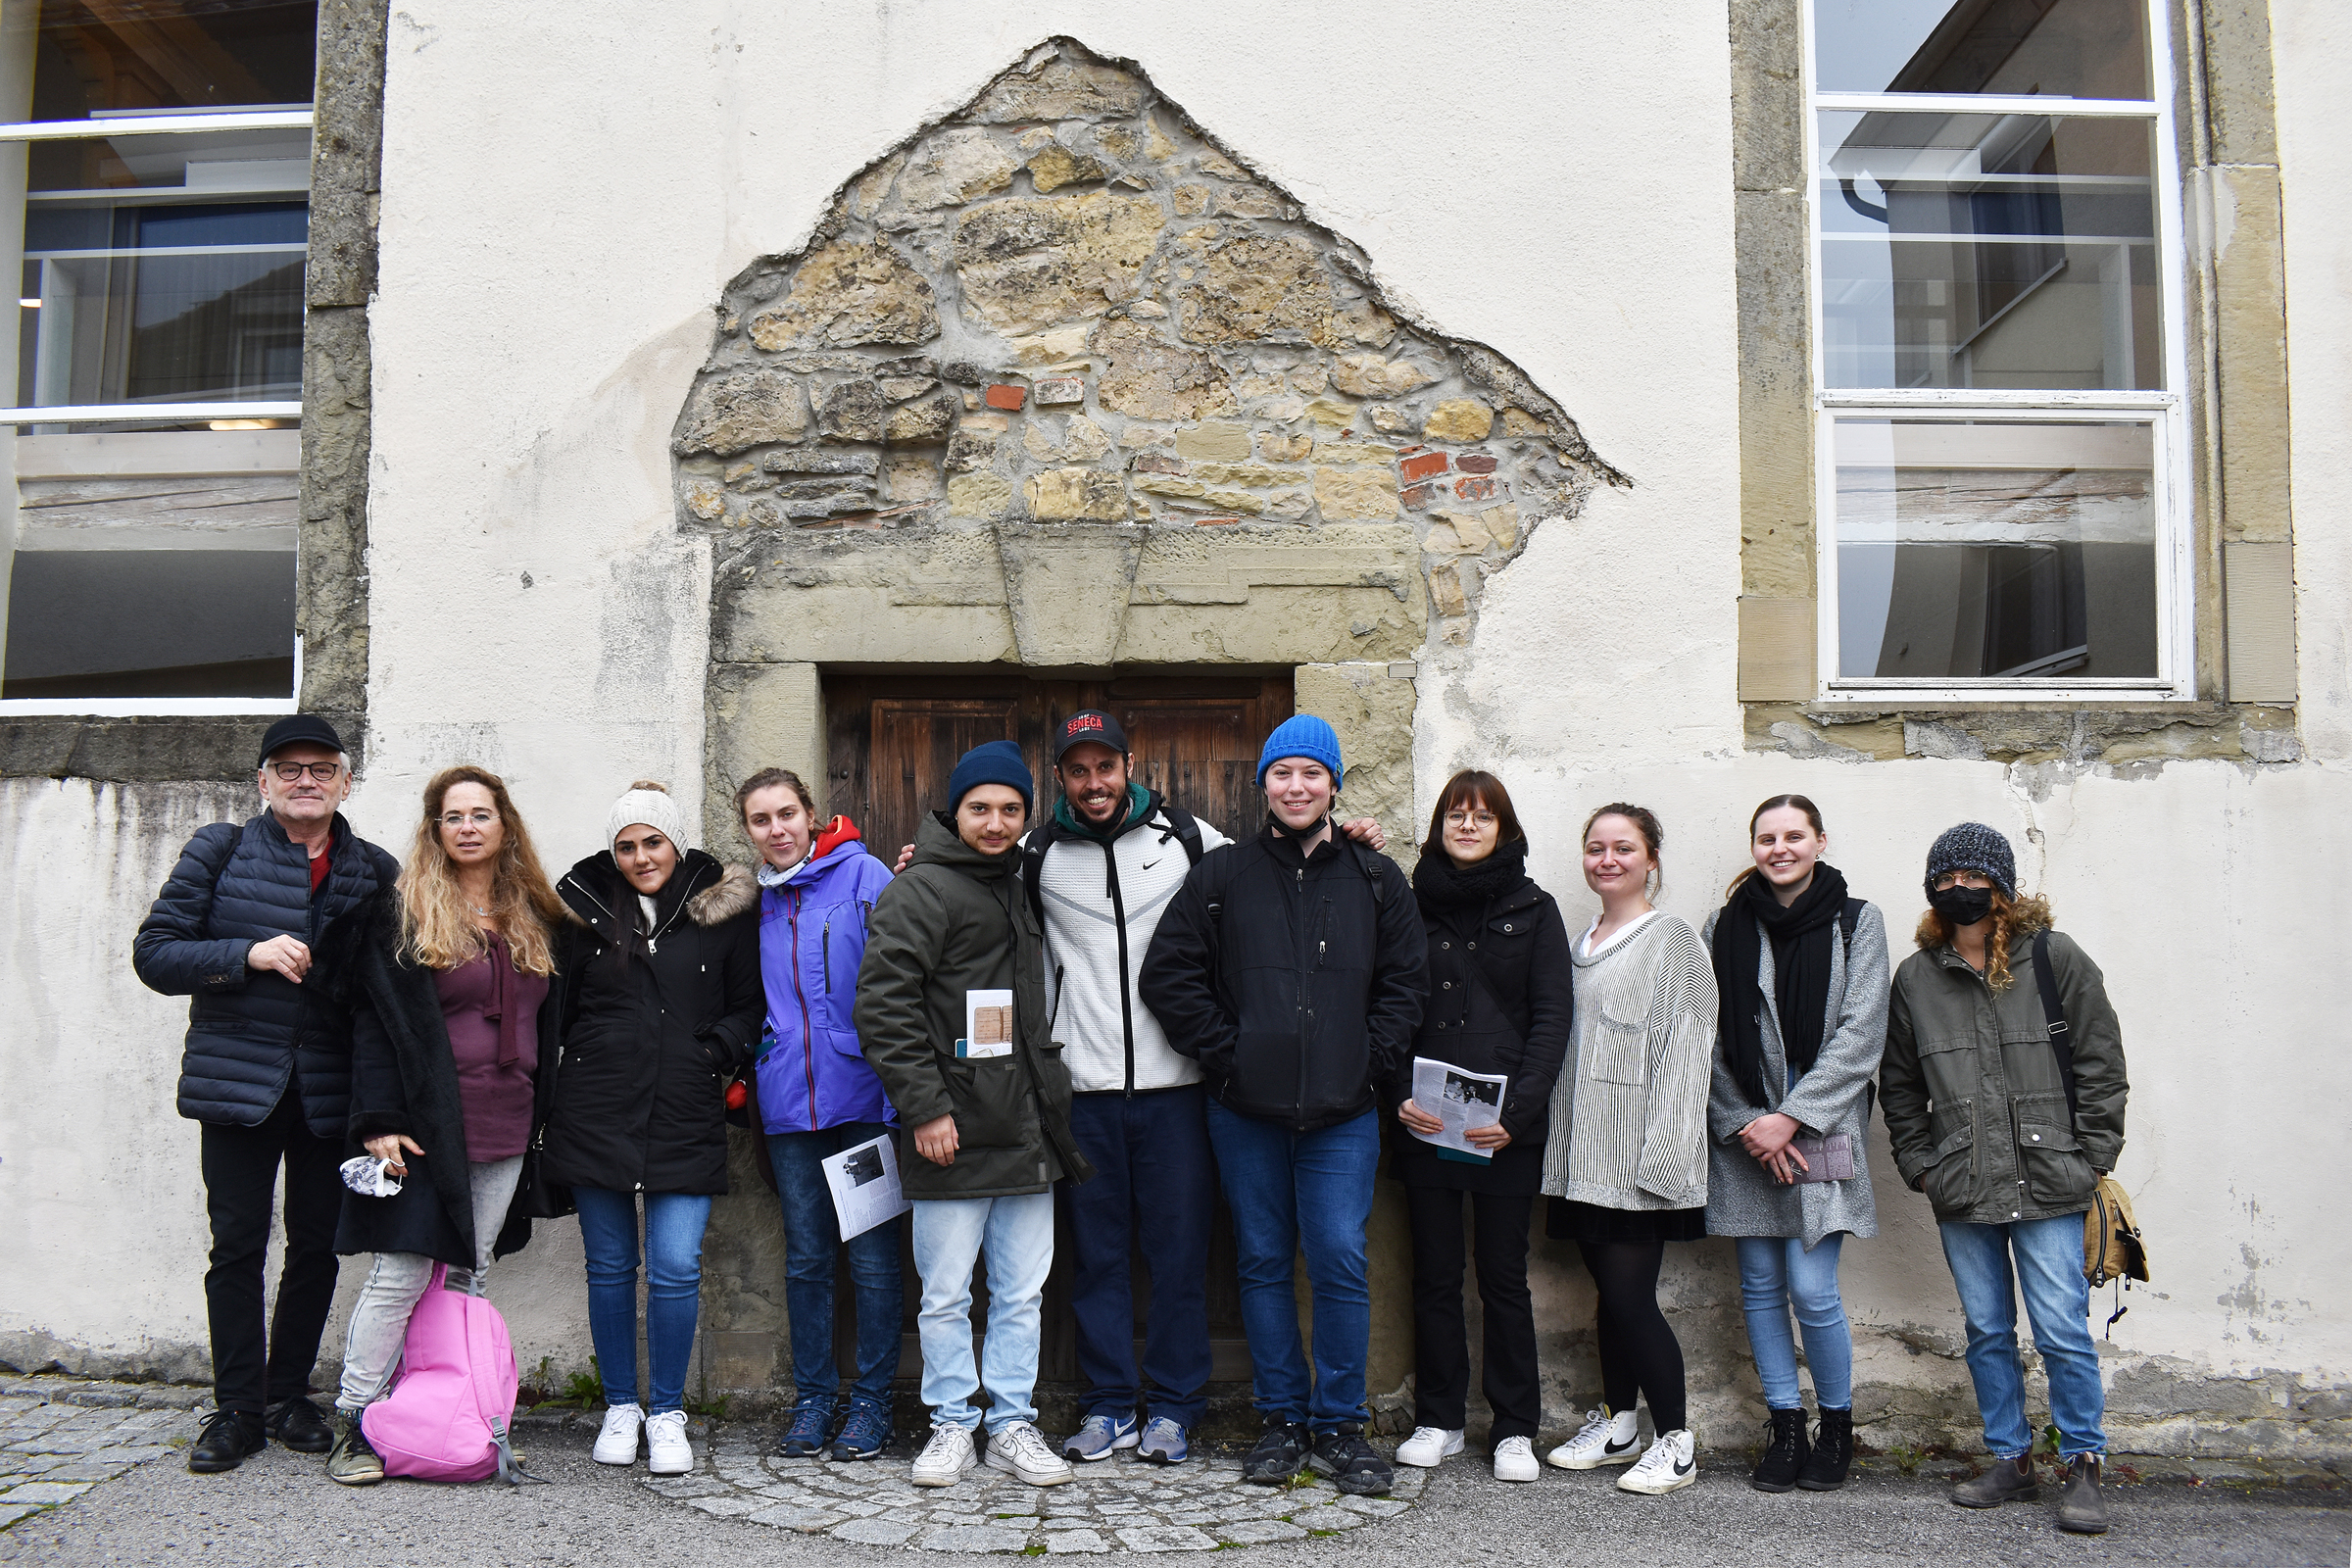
1606	1438
1671	1464
1280	1454
1354	1466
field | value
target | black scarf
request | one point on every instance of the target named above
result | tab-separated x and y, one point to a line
1444	884
1801	934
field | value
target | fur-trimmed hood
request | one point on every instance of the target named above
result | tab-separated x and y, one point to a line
736	891
712	892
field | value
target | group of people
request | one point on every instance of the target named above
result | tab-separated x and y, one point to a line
1106	1007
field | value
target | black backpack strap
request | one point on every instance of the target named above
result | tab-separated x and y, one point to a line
2054	1013
1033	866
1185	828
1848	917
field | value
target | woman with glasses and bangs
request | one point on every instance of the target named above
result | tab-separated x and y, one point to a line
1499	1004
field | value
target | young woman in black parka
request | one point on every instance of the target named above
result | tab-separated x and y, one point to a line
1498	1003
452	1062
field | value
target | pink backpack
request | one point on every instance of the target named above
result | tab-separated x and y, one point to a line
451	1405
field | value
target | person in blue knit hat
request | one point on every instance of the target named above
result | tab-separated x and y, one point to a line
1293	967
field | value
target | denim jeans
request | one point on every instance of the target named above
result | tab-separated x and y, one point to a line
812	1241
1292	1192
379	1318
2048	1255
1152	1193
1776	1273
949	1235
674	1283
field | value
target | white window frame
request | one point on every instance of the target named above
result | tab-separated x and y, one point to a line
2175	680
91	413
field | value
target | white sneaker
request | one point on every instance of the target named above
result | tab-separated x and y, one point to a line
1603	1439
1515	1460
1671	1464
1428	1447
667	1450
1021	1448
945	1458
616	1439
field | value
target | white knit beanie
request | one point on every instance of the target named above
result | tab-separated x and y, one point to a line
648	802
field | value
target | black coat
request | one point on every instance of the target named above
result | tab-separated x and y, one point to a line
1300	999
250	1030
654	1027
1501	979
403	1078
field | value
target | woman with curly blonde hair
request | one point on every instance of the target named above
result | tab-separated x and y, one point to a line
452	1068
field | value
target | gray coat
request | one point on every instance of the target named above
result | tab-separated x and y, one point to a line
1832	1097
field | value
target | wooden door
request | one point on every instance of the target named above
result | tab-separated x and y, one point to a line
893	739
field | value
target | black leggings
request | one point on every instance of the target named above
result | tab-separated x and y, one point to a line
1638	1349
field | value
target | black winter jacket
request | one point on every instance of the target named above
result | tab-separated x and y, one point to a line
248	1030
403	1078
654	1025
1300	996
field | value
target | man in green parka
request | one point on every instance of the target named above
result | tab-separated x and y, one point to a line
951	1014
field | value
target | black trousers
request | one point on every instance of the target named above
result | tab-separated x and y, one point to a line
251	1369
1440	1339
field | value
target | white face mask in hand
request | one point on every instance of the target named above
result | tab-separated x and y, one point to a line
368	1177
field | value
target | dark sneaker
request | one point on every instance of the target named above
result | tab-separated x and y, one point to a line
2008	1481
352	1461
864	1434
1832	1452
1352	1465
298	1423
1785	1453
1098	1437
1280	1454
226	1441
2080	1508
811	1425
1163	1442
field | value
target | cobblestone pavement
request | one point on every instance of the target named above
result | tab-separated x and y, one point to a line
60	1436
1120	1504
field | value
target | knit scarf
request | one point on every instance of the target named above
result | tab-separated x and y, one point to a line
1441	883
1801	934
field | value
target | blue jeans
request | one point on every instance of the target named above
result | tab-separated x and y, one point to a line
1776	1273
674	1283
2048	1256
811	1238
1291	1192
949	1235
1154	1192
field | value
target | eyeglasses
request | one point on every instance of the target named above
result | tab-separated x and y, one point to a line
1469	818
1948	881
454	820
288	772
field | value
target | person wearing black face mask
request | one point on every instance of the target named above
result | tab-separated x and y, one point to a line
1984	1118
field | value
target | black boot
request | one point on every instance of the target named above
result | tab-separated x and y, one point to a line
1785	1453
2080	1508
1832	1452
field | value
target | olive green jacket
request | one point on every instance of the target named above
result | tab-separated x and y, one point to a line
955	922
1974	1108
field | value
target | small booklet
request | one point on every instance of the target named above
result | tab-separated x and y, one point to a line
1462	1100
987	1025
1828	1160
866	1186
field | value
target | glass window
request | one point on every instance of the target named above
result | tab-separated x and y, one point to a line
2050	48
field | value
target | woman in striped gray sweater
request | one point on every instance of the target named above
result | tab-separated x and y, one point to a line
1625	1164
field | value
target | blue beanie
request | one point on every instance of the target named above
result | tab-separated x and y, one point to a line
995	762
1301	735
1974	846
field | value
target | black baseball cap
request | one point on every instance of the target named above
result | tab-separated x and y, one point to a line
299	729
1089	725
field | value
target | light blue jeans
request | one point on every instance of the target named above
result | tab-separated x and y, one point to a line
673	1286
1776	1273
2048	1256
950	1236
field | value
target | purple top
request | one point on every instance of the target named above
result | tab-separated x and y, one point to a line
492	1013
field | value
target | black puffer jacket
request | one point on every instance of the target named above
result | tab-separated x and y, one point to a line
248	1030
656	1023
1300	997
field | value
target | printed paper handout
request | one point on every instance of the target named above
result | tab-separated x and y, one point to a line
1462	1100
866	1186
987	1025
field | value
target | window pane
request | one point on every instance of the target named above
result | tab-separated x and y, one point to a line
2010	251
2014	548
2056	48
132	623
96	57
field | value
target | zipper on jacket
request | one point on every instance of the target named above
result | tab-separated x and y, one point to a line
792	918
824	942
1118	916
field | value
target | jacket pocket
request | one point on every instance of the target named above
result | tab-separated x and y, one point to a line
1620	1049
992	1101
1951	1182
1265	1069
2055	1171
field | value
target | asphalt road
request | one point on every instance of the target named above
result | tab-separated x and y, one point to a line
279	1509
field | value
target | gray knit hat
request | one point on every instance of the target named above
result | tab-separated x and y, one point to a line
1974	846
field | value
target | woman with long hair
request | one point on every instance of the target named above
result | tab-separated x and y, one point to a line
1801	969
1499	1004
1625	1164
453	1057
2008	1133
667	1004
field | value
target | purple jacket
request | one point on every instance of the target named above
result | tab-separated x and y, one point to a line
812	1075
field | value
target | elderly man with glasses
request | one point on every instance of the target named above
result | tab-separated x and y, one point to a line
257	925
